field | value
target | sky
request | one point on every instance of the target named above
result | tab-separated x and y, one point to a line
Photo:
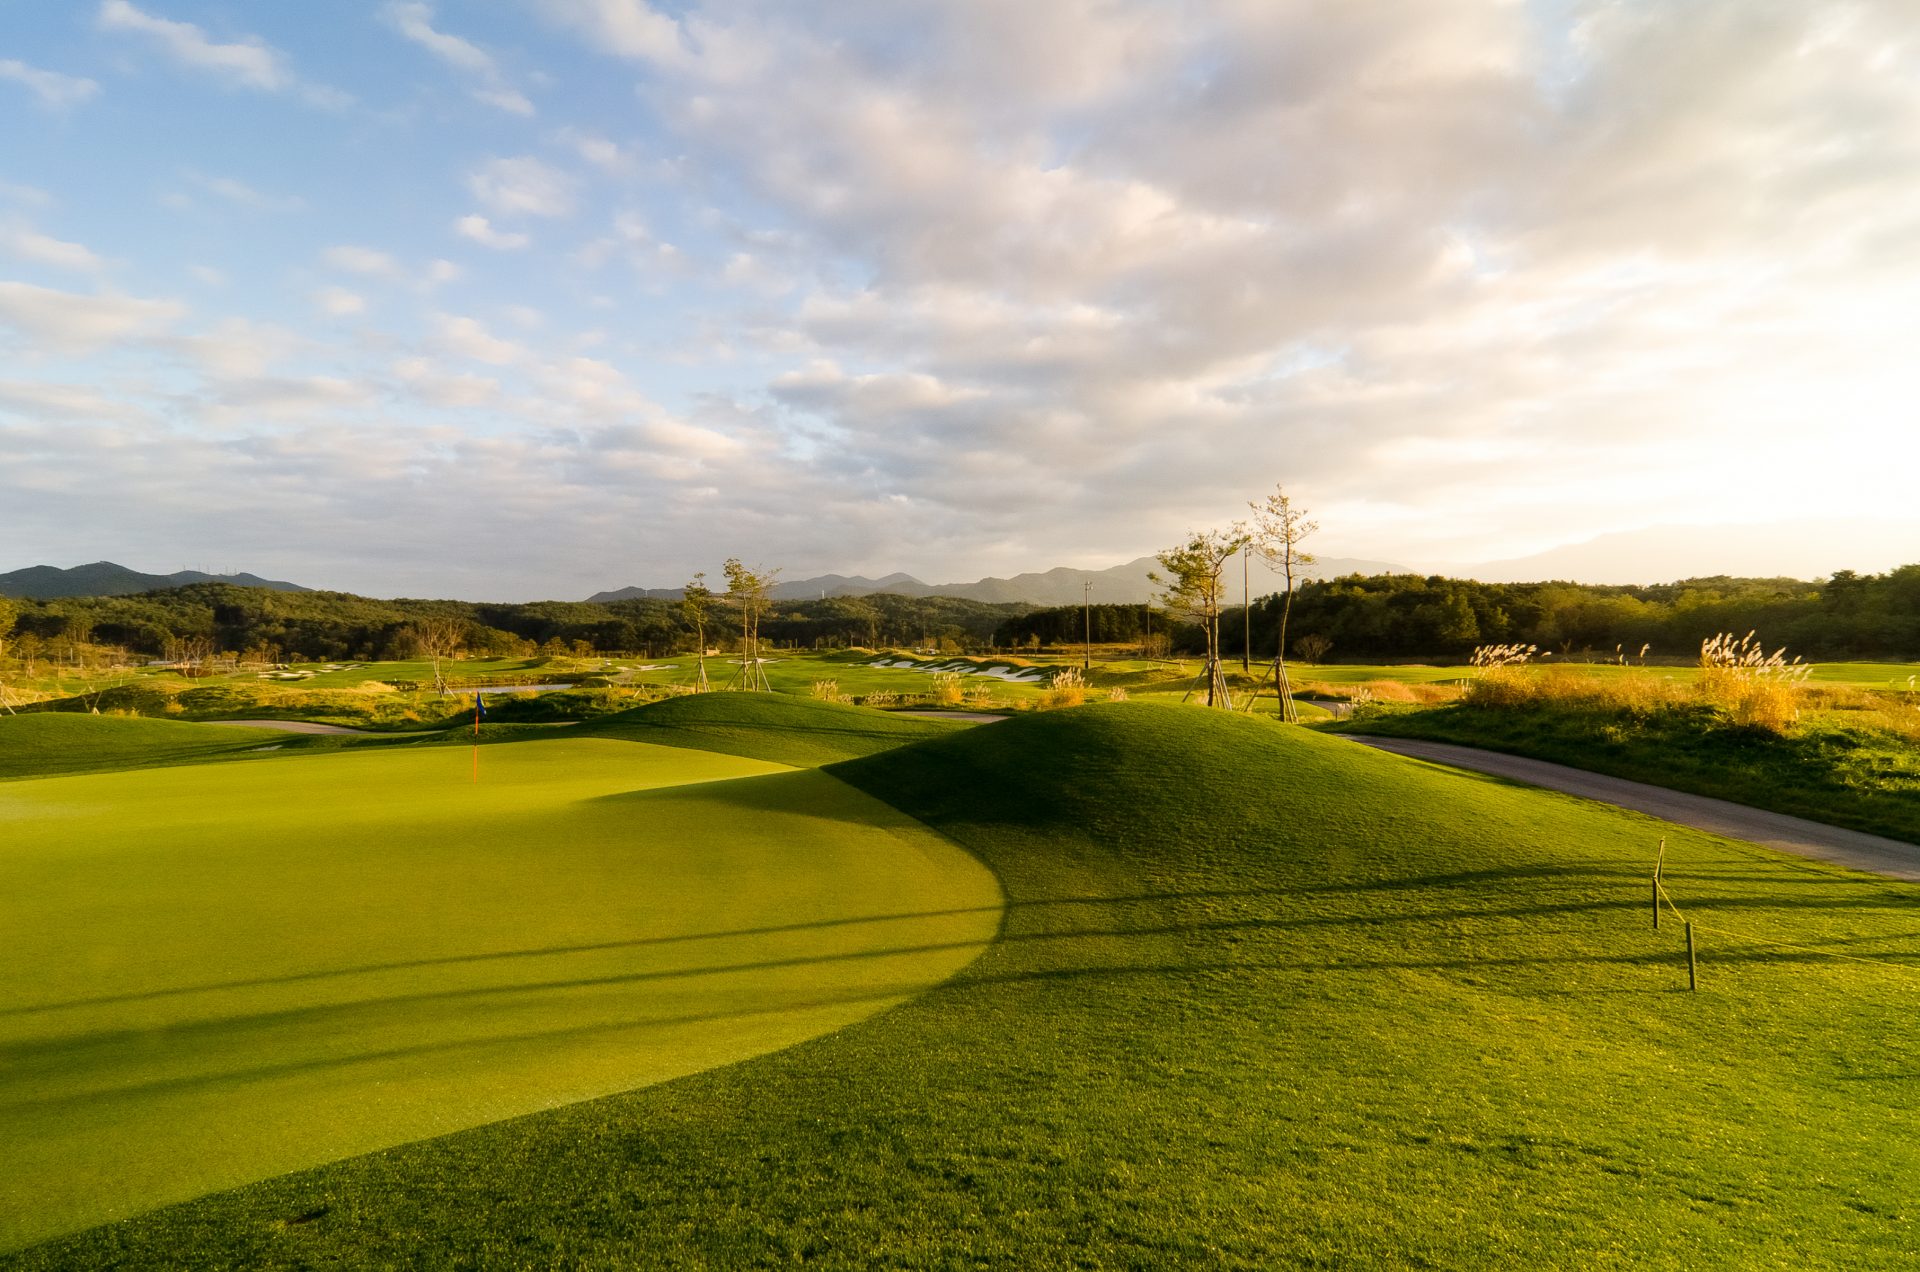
517	300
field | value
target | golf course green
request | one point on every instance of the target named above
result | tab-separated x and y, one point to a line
222	972
1260	998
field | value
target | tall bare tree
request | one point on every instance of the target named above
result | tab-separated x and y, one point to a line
696	607
1193	587
749	589
1278	530
439	639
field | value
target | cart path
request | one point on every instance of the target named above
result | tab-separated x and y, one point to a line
1796	835
286	726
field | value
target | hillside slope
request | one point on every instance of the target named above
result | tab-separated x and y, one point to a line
781	728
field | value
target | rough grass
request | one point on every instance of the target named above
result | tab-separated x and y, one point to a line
1862	773
213	974
1263	998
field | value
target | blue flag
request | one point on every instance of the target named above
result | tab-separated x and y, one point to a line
479	706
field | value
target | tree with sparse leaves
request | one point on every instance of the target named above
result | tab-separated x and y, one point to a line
1193	588
750	590
696	607
1278	530
439	639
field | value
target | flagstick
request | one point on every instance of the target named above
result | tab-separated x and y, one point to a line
476	739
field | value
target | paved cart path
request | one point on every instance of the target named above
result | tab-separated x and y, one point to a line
1796	835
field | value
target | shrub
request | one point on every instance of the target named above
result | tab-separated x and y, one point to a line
1756	689
1067	689
949	690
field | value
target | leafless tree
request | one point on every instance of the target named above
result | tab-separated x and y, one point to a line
1279	529
439	640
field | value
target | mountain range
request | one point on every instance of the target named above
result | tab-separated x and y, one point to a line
1119	585
104	578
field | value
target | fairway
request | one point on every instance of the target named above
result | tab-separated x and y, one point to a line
289	961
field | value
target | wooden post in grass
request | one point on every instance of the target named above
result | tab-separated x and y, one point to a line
1657	863
1693	982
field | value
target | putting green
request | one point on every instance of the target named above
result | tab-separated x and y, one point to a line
217	973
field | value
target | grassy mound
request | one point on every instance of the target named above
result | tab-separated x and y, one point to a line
40	744
781	728
1262	998
213	974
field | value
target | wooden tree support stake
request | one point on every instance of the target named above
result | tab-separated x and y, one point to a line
1693	982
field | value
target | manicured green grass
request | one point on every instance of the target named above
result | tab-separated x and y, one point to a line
1263	998
1866	675
213	974
42	744
786	730
1864	778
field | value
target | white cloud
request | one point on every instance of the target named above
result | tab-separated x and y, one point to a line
631	28
208	275
338	302
249	61
55	90
25	195
482	231
424	380
601	152
239	192
414	20
356	259
246	62
72	322
511	100
467	338
522	186
30	245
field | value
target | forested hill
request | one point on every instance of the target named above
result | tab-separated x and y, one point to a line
105	578
1414	616
1362	616
290	626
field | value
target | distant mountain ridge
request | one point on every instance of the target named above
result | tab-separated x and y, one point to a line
105	578
1119	585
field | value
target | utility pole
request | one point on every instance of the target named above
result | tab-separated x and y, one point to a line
1086	650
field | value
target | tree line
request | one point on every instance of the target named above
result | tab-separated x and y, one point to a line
1359	617
269	626
1367	617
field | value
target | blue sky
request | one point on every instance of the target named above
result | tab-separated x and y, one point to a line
517	300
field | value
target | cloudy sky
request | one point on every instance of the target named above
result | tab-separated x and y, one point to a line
516	300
